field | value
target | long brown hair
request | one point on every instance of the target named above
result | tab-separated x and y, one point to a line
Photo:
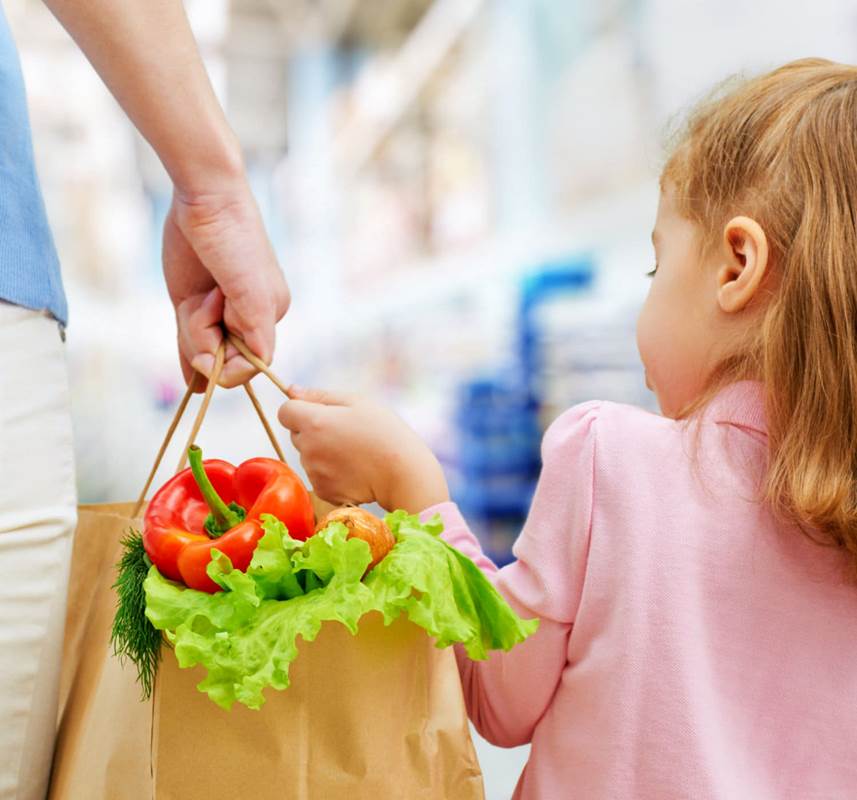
782	148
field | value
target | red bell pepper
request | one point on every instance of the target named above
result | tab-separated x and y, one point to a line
214	504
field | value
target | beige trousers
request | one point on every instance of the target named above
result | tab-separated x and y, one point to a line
37	518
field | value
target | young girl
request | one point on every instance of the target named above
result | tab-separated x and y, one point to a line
694	572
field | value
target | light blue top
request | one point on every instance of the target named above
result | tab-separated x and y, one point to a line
29	267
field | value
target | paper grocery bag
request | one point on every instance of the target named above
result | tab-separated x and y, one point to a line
104	729
378	715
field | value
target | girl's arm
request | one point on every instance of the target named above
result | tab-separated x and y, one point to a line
508	694
354	451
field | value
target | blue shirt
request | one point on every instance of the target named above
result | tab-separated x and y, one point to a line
29	267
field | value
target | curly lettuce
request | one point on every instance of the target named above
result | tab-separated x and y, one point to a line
246	635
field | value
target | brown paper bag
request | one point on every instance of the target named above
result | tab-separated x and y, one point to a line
105	732
377	715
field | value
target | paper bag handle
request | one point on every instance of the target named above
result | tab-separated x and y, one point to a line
219	360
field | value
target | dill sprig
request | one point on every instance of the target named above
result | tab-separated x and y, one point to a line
133	636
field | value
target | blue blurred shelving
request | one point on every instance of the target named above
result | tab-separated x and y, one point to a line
497	420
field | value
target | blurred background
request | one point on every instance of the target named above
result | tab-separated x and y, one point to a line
460	192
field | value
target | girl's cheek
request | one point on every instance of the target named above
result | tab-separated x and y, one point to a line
656	347
646	336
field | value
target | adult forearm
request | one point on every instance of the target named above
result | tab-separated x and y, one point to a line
145	52
219	265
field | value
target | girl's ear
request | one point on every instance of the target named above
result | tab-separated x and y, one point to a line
746	261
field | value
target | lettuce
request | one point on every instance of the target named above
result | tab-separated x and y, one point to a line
246	636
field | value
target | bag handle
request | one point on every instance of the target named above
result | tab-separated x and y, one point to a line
219	359
257	362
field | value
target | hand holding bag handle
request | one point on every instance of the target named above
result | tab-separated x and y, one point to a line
203	408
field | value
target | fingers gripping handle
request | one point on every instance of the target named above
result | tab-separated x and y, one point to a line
213	379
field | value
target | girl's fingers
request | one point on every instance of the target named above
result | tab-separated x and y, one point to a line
295	415
321	396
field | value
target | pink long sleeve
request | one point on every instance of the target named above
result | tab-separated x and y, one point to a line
544	581
691	644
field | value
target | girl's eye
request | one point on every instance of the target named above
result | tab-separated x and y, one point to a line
651	274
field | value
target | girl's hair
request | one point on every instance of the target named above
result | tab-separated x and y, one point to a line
782	148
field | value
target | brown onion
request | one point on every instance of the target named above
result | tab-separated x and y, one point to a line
362	525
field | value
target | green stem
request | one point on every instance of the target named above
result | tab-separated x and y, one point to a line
223	516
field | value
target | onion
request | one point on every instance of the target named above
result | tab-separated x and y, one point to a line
362	525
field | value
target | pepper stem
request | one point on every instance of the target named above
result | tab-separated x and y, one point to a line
223	517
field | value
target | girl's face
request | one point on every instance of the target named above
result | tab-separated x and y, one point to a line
680	326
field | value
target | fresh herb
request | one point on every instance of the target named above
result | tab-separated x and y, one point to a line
133	636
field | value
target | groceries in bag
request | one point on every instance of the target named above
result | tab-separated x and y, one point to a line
230	570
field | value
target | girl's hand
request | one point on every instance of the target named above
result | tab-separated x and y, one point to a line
355	451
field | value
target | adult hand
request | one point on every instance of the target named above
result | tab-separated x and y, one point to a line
221	271
218	262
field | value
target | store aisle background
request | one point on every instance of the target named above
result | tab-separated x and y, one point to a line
461	194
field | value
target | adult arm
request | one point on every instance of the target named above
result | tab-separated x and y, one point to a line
219	265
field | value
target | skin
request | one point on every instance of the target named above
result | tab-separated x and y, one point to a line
219	265
356	451
700	305
699	308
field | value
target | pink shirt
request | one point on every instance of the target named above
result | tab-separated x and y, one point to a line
690	645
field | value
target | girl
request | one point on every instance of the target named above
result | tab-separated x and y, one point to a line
694	572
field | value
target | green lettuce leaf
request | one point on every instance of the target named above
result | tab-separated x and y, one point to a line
246	636
271	567
329	554
443	591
